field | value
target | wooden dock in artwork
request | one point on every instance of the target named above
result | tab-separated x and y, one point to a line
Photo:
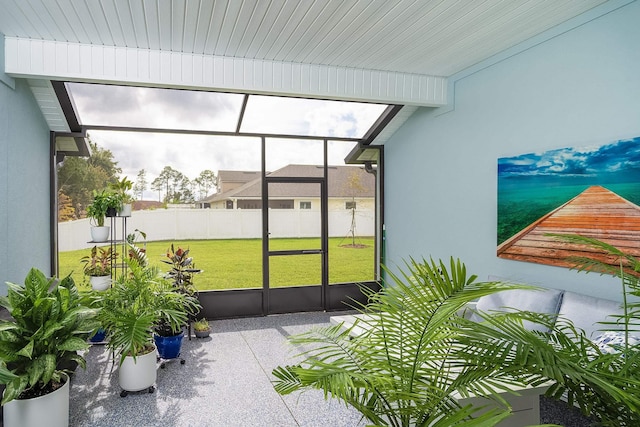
596	212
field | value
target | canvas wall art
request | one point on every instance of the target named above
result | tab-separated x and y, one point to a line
592	191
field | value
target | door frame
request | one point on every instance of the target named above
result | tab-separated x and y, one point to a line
295	298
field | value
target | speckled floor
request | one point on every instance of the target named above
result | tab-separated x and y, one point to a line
226	382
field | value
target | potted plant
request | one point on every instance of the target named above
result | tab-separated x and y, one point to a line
122	187
105	203
50	326
182	270
130	310
97	266
201	328
181	276
413	353
135	250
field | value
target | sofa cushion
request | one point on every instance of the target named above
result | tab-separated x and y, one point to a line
540	300
586	312
612	341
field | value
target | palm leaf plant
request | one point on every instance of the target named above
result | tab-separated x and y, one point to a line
136	303
622	365
418	353
135	251
50	326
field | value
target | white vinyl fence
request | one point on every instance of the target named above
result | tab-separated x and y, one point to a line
190	224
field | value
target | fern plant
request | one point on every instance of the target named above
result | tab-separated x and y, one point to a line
418	353
50	326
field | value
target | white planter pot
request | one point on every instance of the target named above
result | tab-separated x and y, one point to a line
100	283
100	234
138	375
126	210
51	410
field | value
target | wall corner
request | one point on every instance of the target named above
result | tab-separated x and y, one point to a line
4	78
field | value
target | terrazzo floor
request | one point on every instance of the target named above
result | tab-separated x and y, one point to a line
226	382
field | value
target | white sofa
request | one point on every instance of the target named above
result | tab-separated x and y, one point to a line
586	312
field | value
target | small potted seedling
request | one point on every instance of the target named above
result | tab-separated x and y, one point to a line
201	328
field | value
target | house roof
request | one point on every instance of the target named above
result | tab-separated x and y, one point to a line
342	181
237	176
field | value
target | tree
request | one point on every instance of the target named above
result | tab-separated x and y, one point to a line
182	190
79	176
66	211
140	184
353	187
205	182
103	159
161	183
175	184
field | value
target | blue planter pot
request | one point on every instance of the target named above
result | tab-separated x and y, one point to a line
99	336
169	347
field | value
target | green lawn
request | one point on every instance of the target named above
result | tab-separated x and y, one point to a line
237	263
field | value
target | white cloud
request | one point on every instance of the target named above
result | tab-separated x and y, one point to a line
190	110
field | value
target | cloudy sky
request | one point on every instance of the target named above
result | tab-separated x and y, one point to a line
620	158
188	110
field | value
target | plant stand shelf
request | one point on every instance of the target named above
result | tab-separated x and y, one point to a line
118	240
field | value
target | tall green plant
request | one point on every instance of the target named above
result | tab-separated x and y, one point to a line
399	371
136	303
50	326
622	366
418	352
182	270
181	276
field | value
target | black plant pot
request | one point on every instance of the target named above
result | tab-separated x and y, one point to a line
202	334
111	212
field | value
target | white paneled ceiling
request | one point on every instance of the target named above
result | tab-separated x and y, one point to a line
388	51
433	37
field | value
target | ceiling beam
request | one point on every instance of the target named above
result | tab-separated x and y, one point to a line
31	58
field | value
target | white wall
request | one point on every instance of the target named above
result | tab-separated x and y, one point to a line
188	224
578	88
24	182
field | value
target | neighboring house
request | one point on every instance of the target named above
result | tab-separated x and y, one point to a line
348	187
229	180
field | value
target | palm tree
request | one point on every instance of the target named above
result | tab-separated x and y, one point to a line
419	352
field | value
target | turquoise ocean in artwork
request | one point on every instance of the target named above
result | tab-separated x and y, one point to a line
532	185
